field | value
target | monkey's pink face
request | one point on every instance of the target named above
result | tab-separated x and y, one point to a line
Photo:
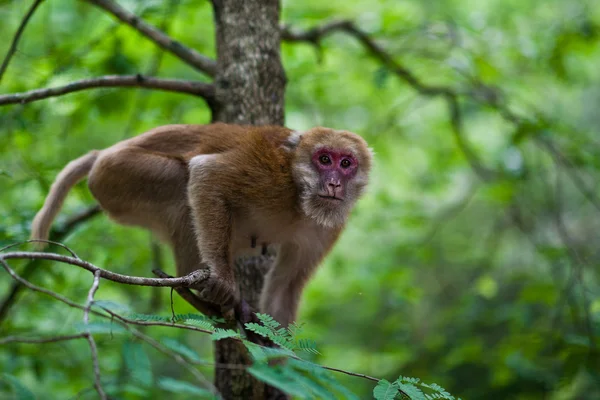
336	169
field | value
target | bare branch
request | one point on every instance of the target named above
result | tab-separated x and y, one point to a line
185	281
56	235
17	37
315	35
125	321
122	320
201	89
90	337
51	339
186	54
40	241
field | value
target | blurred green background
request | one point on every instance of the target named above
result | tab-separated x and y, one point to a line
488	287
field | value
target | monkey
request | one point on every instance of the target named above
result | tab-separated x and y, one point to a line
213	191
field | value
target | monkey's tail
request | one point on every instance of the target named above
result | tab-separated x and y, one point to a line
73	172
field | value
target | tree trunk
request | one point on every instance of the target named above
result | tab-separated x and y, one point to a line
250	85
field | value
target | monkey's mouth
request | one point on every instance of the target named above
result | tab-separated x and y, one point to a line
331	197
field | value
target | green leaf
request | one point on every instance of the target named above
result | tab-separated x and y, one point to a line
308	382
21	392
272	330
412	391
182	349
197	320
268	321
385	390
307	345
224	334
182	387
100	327
111	305
324	377
138	363
148	317
273	377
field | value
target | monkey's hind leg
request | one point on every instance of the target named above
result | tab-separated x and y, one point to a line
137	187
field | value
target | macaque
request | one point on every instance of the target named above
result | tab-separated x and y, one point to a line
212	191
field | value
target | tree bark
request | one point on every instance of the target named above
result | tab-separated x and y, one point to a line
249	89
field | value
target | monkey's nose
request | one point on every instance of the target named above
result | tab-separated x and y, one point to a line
332	188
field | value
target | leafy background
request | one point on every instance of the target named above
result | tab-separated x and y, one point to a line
488	287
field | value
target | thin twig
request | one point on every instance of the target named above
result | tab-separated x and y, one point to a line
186	54
342	371
17	37
51	339
56	235
40	241
121	320
201	89
185	281
125	321
90	337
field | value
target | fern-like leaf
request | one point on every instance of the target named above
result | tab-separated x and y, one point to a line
307	345
148	317
413	392
385	390
224	334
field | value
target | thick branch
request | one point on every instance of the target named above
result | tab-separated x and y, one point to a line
205	90
316	34
17	37
184	53
195	301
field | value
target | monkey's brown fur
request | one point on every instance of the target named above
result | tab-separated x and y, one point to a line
211	191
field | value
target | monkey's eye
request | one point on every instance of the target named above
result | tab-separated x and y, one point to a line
325	159
345	163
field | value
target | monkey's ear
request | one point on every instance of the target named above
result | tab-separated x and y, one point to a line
293	140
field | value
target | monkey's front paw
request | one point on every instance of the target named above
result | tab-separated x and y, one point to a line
218	291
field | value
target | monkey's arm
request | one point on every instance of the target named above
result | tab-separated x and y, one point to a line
295	264
212	220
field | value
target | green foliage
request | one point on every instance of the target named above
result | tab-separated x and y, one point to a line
182	349
19	391
138	363
488	287
183	387
385	390
302	379
224	334
286	338
410	388
100	327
